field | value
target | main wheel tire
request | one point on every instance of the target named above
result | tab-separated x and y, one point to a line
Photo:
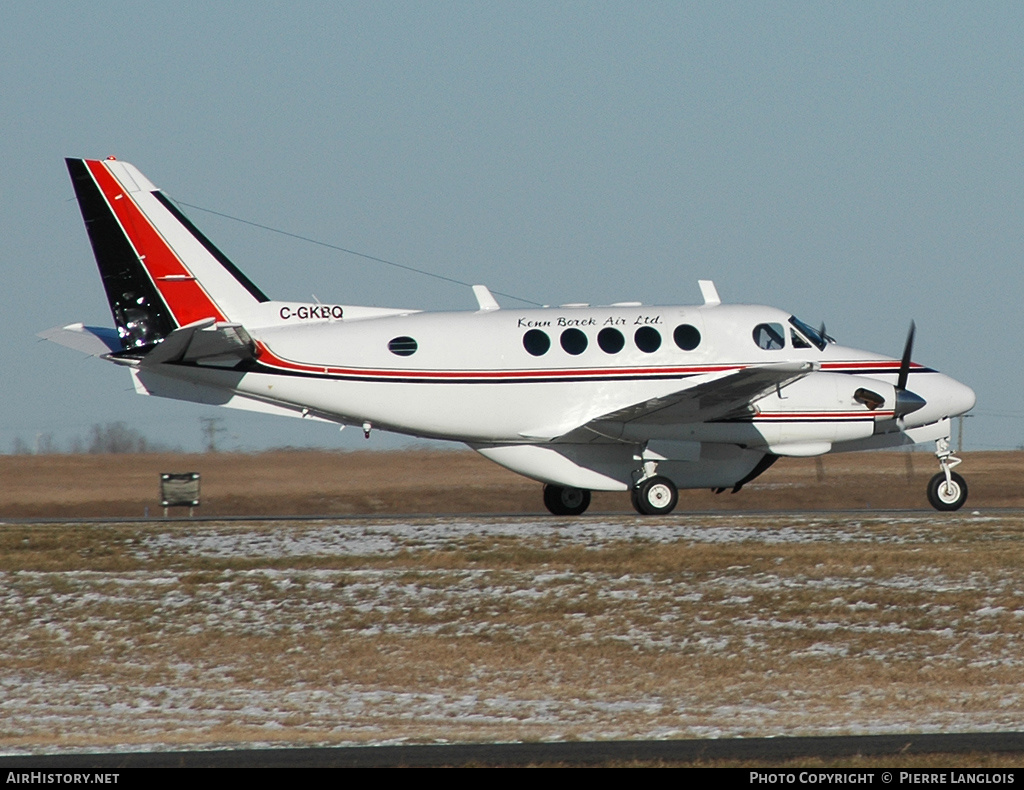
565	500
947	496
656	496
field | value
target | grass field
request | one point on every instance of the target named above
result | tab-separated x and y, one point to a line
297	483
427	630
166	634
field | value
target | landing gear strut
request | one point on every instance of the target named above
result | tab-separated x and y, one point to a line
947	490
565	500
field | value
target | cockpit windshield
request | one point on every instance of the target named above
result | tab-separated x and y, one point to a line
818	338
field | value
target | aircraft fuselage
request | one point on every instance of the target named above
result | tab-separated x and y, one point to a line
623	397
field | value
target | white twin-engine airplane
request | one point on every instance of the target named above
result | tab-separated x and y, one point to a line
627	397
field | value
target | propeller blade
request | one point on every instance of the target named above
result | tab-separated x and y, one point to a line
908	349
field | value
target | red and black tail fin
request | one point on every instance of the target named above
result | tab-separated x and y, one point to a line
159	271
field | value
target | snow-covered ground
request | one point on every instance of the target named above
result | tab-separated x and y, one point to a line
429	630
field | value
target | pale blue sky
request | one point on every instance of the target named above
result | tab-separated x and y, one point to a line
858	163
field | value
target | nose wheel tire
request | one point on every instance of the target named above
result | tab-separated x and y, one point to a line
947	496
656	496
565	500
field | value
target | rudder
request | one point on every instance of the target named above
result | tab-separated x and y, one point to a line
159	271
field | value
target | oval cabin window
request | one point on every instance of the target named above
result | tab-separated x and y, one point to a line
647	339
403	346
687	337
574	341
611	340
536	342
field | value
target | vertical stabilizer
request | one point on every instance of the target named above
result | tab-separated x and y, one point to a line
159	271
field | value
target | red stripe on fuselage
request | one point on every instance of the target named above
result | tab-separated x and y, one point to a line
186	298
886	364
268	357
822	415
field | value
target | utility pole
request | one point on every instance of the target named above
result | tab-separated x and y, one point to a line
211	427
960	432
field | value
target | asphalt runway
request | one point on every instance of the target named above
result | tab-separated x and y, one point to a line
593	753
542	514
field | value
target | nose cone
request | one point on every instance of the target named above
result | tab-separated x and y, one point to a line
943	397
959	397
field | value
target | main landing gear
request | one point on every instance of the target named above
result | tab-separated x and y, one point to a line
655	496
651	495
947	490
565	500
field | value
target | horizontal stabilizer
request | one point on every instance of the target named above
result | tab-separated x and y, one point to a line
204	342
93	340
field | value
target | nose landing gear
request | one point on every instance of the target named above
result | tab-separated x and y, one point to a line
947	490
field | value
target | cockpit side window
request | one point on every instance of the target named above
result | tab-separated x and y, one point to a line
770	337
797	340
820	340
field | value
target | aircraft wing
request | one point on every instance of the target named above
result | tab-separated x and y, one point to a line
730	393
713	399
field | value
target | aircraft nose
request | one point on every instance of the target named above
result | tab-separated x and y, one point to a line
942	397
956	398
961	398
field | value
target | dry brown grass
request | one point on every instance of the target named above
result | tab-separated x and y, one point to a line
182	633
296	483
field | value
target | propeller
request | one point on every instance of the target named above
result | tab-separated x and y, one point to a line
907	402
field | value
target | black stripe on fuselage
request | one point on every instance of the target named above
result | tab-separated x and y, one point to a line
250	366
776	419
211	248
467	377
140	313
876	371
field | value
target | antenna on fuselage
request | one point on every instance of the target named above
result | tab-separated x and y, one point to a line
709	292
485	299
